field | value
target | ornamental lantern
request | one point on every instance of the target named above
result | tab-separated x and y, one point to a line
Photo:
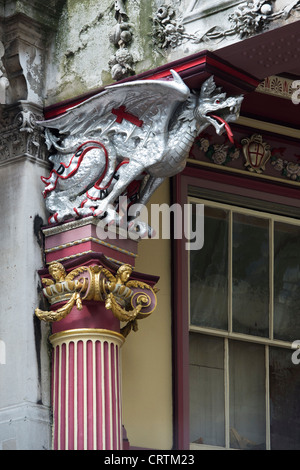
256	153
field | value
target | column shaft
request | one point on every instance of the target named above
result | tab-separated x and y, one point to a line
86	390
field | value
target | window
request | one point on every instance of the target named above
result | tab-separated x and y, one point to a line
243	318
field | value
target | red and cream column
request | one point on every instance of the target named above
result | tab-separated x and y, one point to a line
87	390
93	291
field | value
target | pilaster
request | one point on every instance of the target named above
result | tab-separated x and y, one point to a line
25	370
24	375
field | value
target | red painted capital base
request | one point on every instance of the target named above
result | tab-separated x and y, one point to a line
86	371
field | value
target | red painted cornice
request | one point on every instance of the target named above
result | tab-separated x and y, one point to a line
194	70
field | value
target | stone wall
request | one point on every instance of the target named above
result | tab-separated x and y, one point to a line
96	43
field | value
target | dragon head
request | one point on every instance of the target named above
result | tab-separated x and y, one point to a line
214	108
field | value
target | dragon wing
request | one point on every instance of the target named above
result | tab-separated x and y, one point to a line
137	107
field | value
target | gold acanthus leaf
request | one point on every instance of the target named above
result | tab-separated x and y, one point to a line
75	272
47	282
109	275
140	284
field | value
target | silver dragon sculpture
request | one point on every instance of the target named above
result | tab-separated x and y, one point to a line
125	141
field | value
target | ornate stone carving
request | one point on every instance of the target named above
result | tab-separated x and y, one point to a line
19	134
121	64
135	135
24	29
168	31
249	18
24	42
129	300
121	36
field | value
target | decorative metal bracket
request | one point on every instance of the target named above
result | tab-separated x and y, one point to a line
129	300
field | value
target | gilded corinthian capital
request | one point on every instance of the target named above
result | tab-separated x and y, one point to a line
128	300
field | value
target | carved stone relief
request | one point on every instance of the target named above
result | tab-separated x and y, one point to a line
168	30
24	43
21	87
121	63
19	135
248	18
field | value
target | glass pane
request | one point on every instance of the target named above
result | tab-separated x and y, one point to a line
209	271
286	282
250	275
207	390
284	400
247	396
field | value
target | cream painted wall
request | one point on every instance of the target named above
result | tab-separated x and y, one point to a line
147	353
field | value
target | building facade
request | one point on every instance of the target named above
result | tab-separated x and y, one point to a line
215	363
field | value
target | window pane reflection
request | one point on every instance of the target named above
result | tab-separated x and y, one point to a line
250	275
206	390
247	396
209	271
286	282
284	400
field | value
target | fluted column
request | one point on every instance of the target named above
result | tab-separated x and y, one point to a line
86	391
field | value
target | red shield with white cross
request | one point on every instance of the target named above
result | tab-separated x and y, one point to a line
256	153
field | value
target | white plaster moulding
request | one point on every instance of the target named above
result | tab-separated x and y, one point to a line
25	157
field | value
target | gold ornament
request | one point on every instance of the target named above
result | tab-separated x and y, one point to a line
256	152
125	298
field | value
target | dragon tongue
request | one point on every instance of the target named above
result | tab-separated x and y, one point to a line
227	127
